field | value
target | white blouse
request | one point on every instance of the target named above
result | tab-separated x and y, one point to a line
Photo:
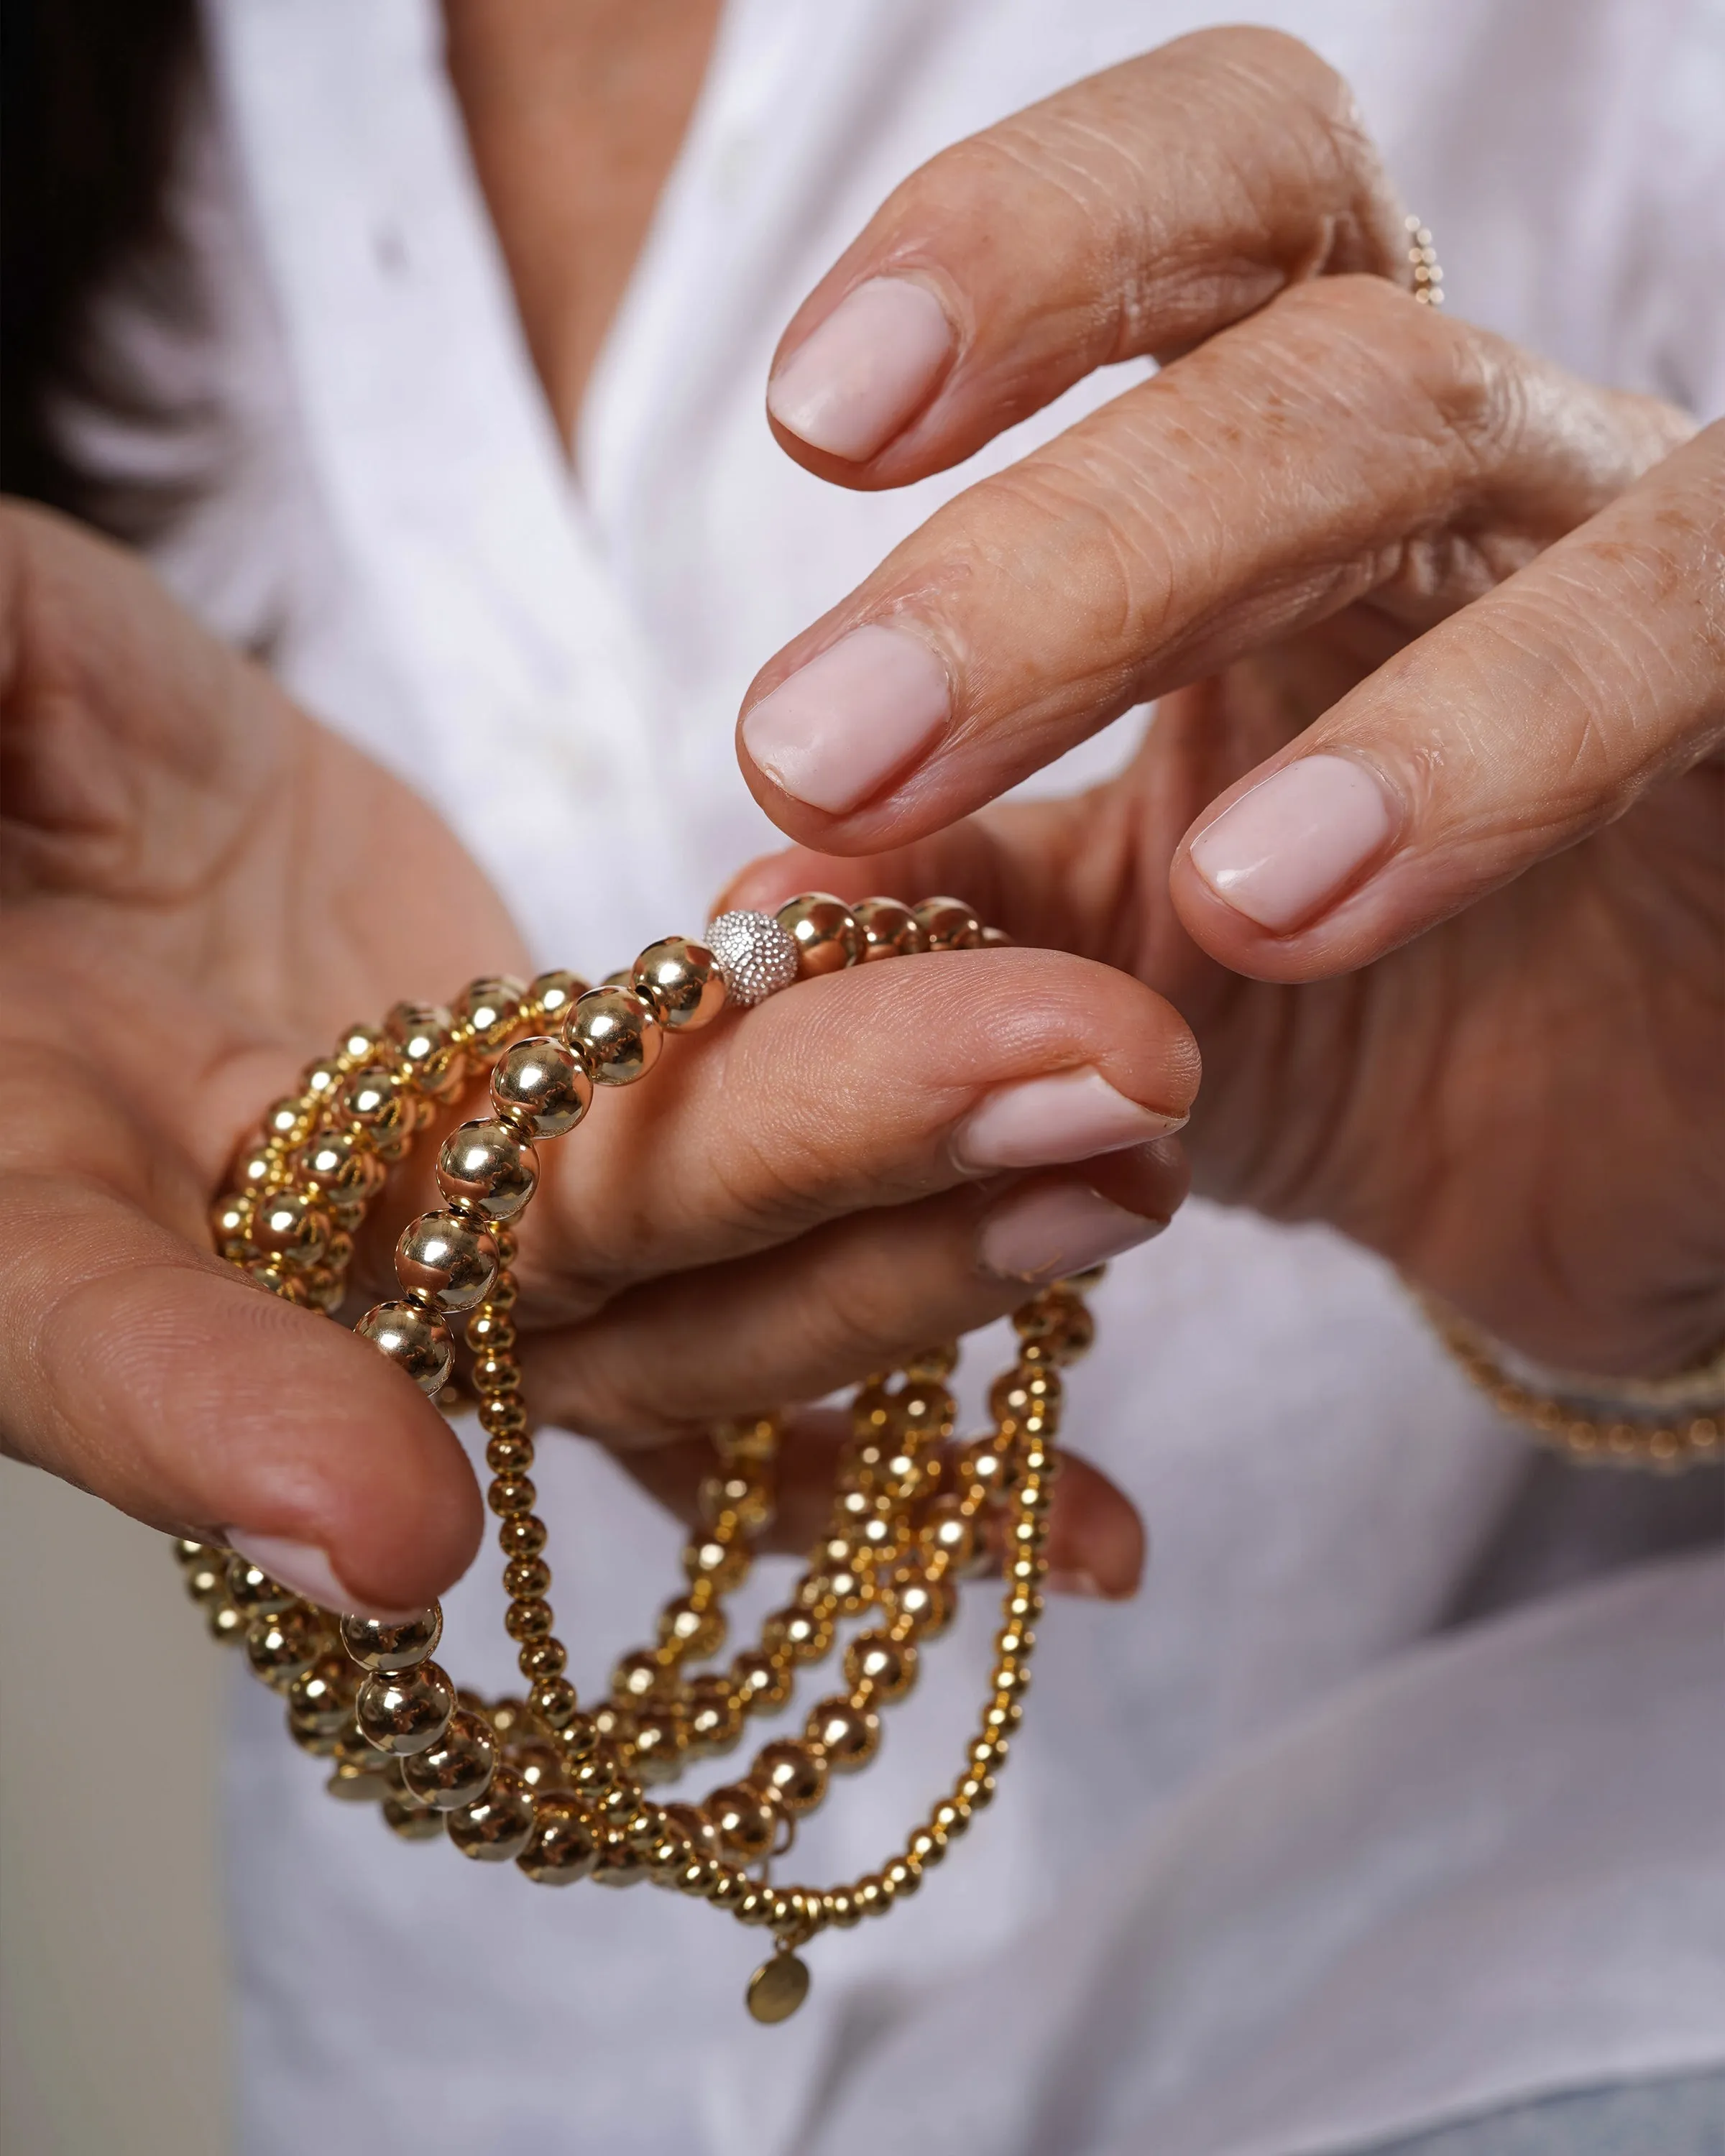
1272	1868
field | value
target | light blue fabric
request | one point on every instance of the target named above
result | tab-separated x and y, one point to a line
1682	2116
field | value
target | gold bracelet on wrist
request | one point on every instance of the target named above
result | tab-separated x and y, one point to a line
562	1792
1662	1423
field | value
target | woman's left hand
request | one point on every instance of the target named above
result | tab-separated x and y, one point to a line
1434	787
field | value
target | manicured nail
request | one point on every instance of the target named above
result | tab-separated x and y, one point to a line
1283	851
1073	1116
869	369
1085	1584
1042	1234
303	1566
851	718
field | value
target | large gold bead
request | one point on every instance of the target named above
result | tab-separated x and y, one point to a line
848	1736
761	1680
824	930
561	1847
495	1828
446	1261
887	1667
411	1822
321	1698
290	1228
792	1774
281	1646
680	983
405	1711
691	1825
696	1630
251	1589
489	1009
486	1166
415	1341
457	1768
744	1821
541	1086
376	1644
615	1034
888	930
949	924
539	1766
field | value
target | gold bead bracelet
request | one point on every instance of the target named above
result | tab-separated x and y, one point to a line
559	1790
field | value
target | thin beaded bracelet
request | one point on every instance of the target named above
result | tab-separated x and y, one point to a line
559	1790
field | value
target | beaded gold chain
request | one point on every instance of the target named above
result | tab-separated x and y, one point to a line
561	1791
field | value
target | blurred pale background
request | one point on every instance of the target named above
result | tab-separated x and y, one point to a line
113	2000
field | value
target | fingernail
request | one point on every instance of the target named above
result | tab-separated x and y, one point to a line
853	384
303	1566
1282	852
1042	1234
1085	1585
856	715
1073	1115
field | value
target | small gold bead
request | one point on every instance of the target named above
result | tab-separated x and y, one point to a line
207	1578
519	1534
680	984
230	1221
290	1228
375	1643
320	1698
848	1736
824	930
497	1826
381	1103
888	930
887	1668
417	1344
251	1589
697	1632
691	1829
550	996
488	1010
456	1769
486	1166
803	1635
553	1701
974	1791
281	1645
424	1037
615	1034
715	1718
541	1086
404	1711
725	1564
948	1529
901	1878
761	1680
870	1896
511	1494
409	1821
541	1658
924	1849
948	924
528	1617
502	1416
509	1455
839	1907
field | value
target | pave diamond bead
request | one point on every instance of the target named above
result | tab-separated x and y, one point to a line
756	956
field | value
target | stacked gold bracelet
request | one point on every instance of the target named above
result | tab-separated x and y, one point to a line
559	1790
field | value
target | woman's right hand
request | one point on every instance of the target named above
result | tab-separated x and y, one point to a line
201	885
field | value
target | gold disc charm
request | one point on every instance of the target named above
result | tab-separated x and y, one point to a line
778	1986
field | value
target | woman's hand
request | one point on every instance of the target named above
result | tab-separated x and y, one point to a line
1439	635
200	886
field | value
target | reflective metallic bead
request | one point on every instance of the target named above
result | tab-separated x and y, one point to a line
755	955
887	1667
230	1225
359	1785
616	1865
641	1676
888	930
403	1710
691	1825
726	1564
251	1589
445	1260
561	1847
423	1035
489	1009
225	1622
553	1702
871	1896
763	1681
715	1718
456	1769
497	1827
696	1629
542	1086
744	1821
550	996
900	1878
411	1822
381	1103
375	1643
804	1634
539	1764
288	1226
949	924
616	1036
824	930
486	1166
680	982
848	1736
413	1340
660	1735
282	1644
738	1494
947	1527
320	1698
288	1123
338	1162
841	1907
794	1775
